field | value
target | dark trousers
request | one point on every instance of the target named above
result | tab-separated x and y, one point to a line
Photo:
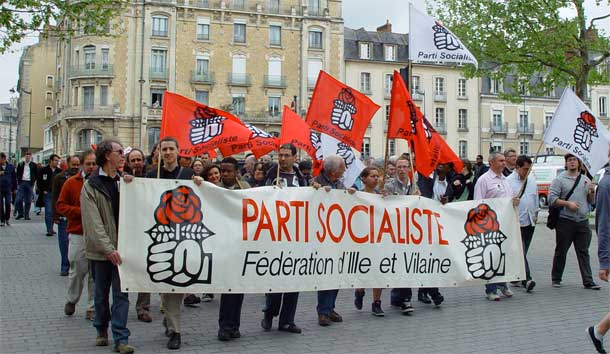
527	233
229	315
23	201
400	295
578	233
432	292
105	276
62	239
326	301
288	305
5	205
48	212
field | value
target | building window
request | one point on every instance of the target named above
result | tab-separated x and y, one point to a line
496	118
461	87
203	28
105	58
524	88
274	6
274	106
49	96
365	82
48	137
156	97
462	119
158	61
238	4
89	57
463	149
238	74
439	117
548	116
103	95
239	104
439	86
496	147
315	39
202	66
387	85
389	52
524	148
387	112
313	7
313	69
77	57
495	86
392	147
76	96
365	51
88	98
415	83
154	134
202	97
274	72
48	112
275	35
87	137
239	32
159	26
603	106
550	151
366	147
524	120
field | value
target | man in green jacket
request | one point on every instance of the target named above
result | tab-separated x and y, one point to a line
100	215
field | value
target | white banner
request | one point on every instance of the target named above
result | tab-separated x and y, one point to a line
353	165
176	237
430	41
575	129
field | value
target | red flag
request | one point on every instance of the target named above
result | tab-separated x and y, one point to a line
297	132
439	150
199	128
340	111
260	143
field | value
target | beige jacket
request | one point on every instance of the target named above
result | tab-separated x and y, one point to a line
99	227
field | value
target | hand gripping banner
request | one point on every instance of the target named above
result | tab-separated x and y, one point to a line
177	237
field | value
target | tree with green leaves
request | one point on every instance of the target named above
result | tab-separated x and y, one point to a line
529	39
20	18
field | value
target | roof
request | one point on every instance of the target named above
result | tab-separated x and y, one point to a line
352	38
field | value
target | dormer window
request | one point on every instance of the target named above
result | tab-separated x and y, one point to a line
365	51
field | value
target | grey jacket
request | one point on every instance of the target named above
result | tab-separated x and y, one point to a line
560	187
99	227
602	219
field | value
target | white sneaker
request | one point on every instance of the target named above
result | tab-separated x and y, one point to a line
506	291
493	297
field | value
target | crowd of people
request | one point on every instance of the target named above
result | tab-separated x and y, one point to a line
81	196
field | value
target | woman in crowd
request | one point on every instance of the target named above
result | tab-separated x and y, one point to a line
211	173
463	186
370	182
258	175
197	167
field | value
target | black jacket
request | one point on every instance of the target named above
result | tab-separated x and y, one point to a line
33	172
44	179
272	175
426	186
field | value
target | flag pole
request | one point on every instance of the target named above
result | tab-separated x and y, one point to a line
531	167
159	163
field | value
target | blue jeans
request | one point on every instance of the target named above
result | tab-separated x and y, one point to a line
105	275
5	205
273	302
23	201
62	237
48	212
493	288
326	301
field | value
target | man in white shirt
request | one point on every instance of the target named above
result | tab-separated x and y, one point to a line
528	211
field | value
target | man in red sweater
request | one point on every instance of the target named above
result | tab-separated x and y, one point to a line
68	205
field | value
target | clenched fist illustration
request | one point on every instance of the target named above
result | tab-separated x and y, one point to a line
176	256
344	108
585	130
206	125
345	152
484	255
443	39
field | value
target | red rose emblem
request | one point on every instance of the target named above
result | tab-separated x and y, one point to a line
588	118
347	96
179	206
205	113
481	220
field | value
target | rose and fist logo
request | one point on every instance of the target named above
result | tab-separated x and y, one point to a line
176	256
443	39
257	133
483	241
585	131
207	125
346	153
344	108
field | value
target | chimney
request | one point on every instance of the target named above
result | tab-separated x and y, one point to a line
385	28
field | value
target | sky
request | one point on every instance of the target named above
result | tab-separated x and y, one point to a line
356	13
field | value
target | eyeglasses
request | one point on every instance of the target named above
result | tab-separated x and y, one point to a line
120	151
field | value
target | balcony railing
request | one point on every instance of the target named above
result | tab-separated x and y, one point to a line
441	128
366	90
463	128
156	74
200	3
499	128
239	79
440	97
417	96
157	33
525	129
261	117
278	81
88	111
104	70
202	78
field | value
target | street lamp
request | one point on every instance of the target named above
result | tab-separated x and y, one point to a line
30	120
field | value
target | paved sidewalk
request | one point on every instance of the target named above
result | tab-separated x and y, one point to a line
549	321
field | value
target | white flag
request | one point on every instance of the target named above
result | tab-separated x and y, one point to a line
575	129
429	40
353	165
